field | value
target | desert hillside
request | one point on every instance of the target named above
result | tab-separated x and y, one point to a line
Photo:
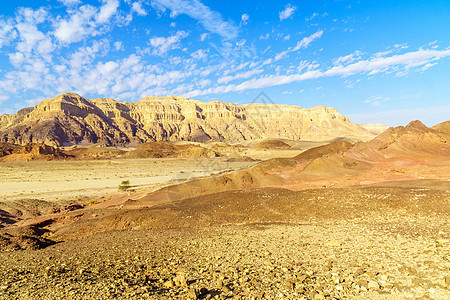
367	220
71	119
401	153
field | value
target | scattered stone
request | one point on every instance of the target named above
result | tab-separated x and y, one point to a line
373	285
192	293
169	284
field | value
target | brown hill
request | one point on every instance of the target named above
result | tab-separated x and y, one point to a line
71	119
414	140
400	153
262	206
443	127
289	189
93	152
30	151
271	144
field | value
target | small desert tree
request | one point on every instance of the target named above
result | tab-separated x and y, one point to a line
125	185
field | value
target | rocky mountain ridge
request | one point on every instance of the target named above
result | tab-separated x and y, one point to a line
71	119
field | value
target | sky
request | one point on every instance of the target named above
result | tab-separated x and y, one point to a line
374	61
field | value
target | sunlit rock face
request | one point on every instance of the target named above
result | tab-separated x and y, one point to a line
71	119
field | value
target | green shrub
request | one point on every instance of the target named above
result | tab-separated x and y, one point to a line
125	185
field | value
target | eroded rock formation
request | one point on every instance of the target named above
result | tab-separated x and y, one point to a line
71	119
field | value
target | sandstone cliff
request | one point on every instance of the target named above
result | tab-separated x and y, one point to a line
71	119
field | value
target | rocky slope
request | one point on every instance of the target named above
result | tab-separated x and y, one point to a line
402	153
443	127
29	151
71	119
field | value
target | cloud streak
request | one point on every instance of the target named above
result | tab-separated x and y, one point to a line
287	12
303	43
371	66
209	19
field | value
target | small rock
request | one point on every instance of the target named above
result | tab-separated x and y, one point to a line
226	289
373	285
301	278
362	283
319	297
180	280
169	284
290	285
384	277
360	271
387	286
192	293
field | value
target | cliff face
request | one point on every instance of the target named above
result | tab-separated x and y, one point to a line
71	119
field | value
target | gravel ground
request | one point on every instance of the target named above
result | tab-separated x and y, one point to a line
400	258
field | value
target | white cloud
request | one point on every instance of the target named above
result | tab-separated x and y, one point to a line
244	19
137	8
312	17
84	21
32	43
371	66
204	36
79	25
209	19
376	100
70	2
427	66
378	64
119	46
287	12
281	55
243	75
107	10
162	45
199	54
7	32
84	56
264	37
33	39
304	42
348	58
28	15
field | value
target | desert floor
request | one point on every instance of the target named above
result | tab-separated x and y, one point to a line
90	179
358	259
389	241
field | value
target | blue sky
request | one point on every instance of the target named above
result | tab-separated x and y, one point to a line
374	61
